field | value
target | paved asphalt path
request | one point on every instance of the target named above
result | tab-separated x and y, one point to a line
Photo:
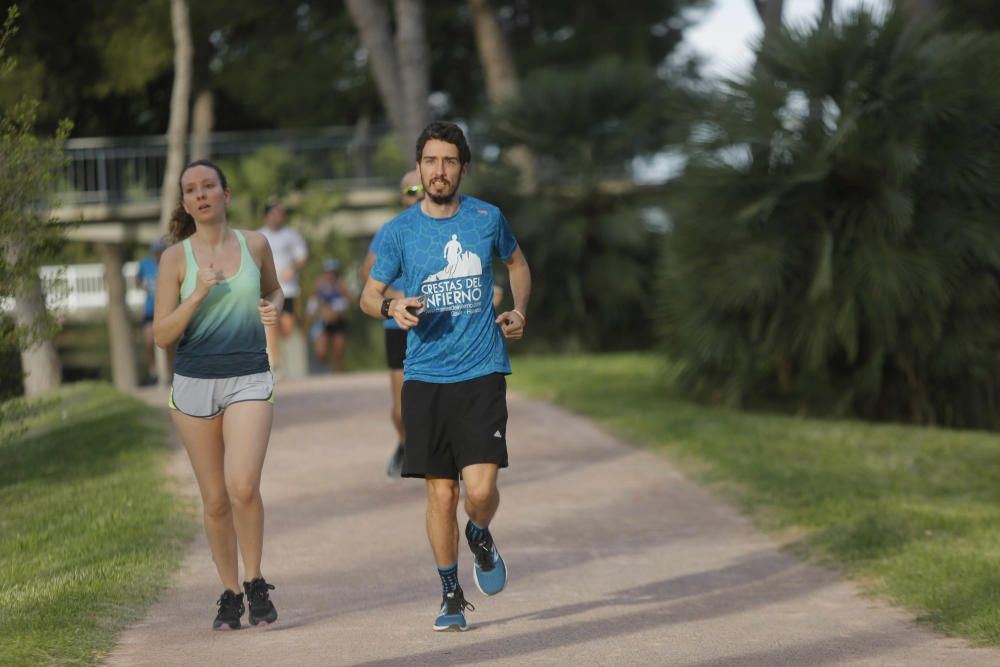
614	557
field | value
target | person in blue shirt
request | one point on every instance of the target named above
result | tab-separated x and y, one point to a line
328	307
146	279
411	192
454	390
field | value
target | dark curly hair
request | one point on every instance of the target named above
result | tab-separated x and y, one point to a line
449	132
181	223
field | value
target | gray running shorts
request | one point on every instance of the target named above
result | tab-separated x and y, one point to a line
208	397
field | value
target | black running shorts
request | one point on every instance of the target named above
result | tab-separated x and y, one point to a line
395	348
451	426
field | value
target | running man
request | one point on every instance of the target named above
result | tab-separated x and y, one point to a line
454	393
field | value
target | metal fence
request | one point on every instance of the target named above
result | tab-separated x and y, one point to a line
78	290
115	170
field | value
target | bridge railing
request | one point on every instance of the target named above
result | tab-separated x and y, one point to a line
114	170
78	290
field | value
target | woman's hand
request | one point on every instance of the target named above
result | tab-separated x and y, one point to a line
207	279
268	313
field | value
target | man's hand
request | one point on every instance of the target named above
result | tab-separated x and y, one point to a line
511	324
406	311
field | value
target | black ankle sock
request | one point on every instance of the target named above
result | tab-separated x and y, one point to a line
474	533
449	578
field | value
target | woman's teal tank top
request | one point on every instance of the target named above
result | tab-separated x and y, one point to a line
225	338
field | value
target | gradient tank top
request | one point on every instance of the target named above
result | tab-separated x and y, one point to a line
225	337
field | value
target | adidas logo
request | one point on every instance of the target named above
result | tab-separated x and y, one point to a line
498	434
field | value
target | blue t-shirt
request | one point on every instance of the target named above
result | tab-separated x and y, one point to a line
396	284
147	276
449	261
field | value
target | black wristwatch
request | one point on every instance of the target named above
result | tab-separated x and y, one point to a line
385	308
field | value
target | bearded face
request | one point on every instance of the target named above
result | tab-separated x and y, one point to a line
441	171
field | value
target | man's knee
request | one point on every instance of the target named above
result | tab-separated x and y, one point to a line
443	494
482	495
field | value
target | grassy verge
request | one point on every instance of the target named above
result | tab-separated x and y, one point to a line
89	526
912	513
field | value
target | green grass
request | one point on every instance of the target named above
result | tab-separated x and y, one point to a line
911	513
89	525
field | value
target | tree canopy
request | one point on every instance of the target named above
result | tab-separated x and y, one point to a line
846	263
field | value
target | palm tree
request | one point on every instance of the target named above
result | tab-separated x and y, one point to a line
847	262
584	229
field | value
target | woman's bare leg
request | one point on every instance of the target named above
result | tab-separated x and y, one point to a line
203	441
247	428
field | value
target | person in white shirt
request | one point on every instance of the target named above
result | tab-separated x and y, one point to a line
290	255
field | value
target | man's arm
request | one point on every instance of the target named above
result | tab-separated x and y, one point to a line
366	269
519	278
372	297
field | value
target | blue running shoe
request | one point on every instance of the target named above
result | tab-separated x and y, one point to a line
452	616
490	572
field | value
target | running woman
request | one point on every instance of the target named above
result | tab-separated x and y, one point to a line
216	291
454	390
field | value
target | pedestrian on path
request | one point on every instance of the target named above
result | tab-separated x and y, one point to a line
290	253
328	307
411	192
216	291
146	280
454	392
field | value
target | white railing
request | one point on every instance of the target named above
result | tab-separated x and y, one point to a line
78	289
115	170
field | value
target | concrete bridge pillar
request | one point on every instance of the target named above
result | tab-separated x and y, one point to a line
123	371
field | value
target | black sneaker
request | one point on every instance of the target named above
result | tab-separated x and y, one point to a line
394	468
261	608
230	611
452	614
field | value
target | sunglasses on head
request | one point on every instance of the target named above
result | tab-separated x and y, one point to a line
413	191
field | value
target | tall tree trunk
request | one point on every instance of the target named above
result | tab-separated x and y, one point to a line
361	153
123	373
825	20
40	361
917	7
371	18
180	100
494	55
502	83
413	64
770	12
827	16
202	122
